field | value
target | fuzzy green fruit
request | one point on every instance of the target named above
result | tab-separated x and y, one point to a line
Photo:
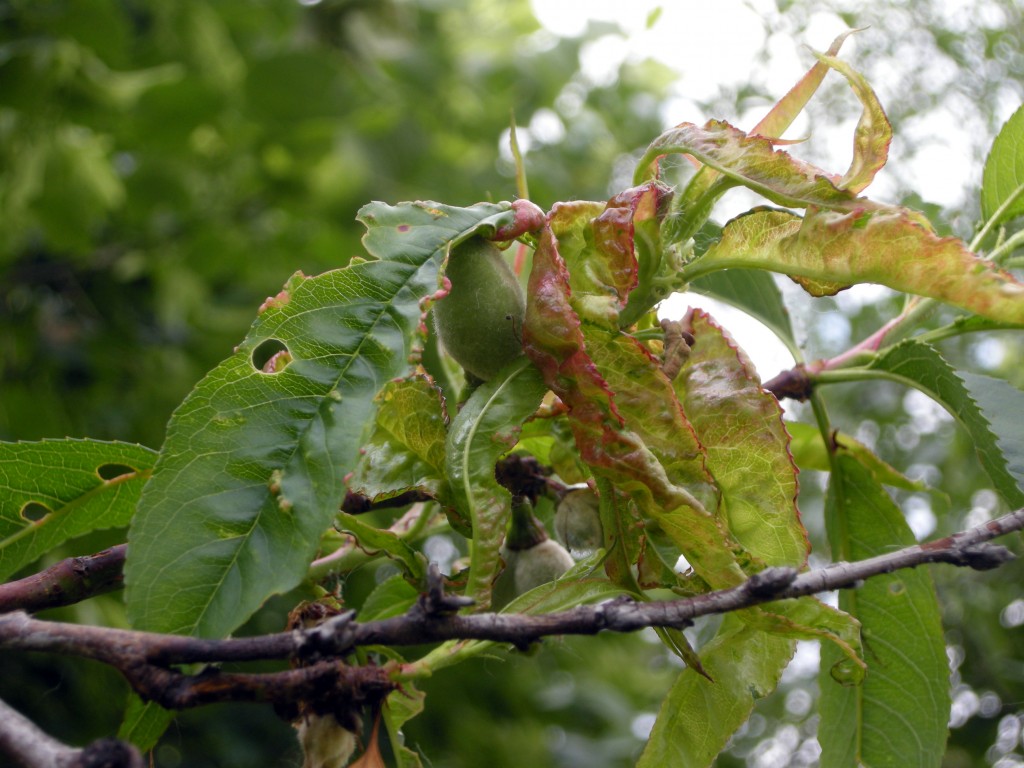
540	564
480	321
578	523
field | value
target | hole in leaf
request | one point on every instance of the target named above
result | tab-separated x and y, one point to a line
33	512
271	356
111	471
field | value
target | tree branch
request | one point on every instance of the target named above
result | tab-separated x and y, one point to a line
146	659
69	581
28	746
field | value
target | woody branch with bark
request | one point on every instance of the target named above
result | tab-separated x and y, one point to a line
320	677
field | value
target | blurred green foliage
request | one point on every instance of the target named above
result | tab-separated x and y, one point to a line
166	164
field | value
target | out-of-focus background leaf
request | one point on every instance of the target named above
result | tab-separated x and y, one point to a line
166	164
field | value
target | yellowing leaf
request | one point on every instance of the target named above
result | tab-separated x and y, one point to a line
889	247
740	426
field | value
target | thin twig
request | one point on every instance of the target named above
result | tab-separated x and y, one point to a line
24	743
65	583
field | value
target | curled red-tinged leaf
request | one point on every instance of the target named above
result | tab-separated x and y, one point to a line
889	247
754	162
554	339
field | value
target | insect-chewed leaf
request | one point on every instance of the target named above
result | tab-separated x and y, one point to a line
487	427
740	426
253	467
889	247
898	714
55	490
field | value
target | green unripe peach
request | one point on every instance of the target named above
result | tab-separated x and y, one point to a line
531	558
578	522
539	564
480	320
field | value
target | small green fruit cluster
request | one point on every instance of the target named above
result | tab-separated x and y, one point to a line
480	321
531	558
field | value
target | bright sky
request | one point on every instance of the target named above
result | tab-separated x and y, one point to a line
711	44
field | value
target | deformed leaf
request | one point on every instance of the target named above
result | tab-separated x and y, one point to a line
753	162
599	286
897	716
981	404
747	446
253	467
786	110
55	490
626	420
406	447
889	247
873	134
691	209
487	427
698	716
1004	172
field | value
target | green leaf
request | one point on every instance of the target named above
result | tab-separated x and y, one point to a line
754	292
400	707
55	490
698	715
979	403
577	586
406	448
810	452
1004	172
144	722
897	716
1001	403
486	428
392	597
747	446
377	540
253	467
889	247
